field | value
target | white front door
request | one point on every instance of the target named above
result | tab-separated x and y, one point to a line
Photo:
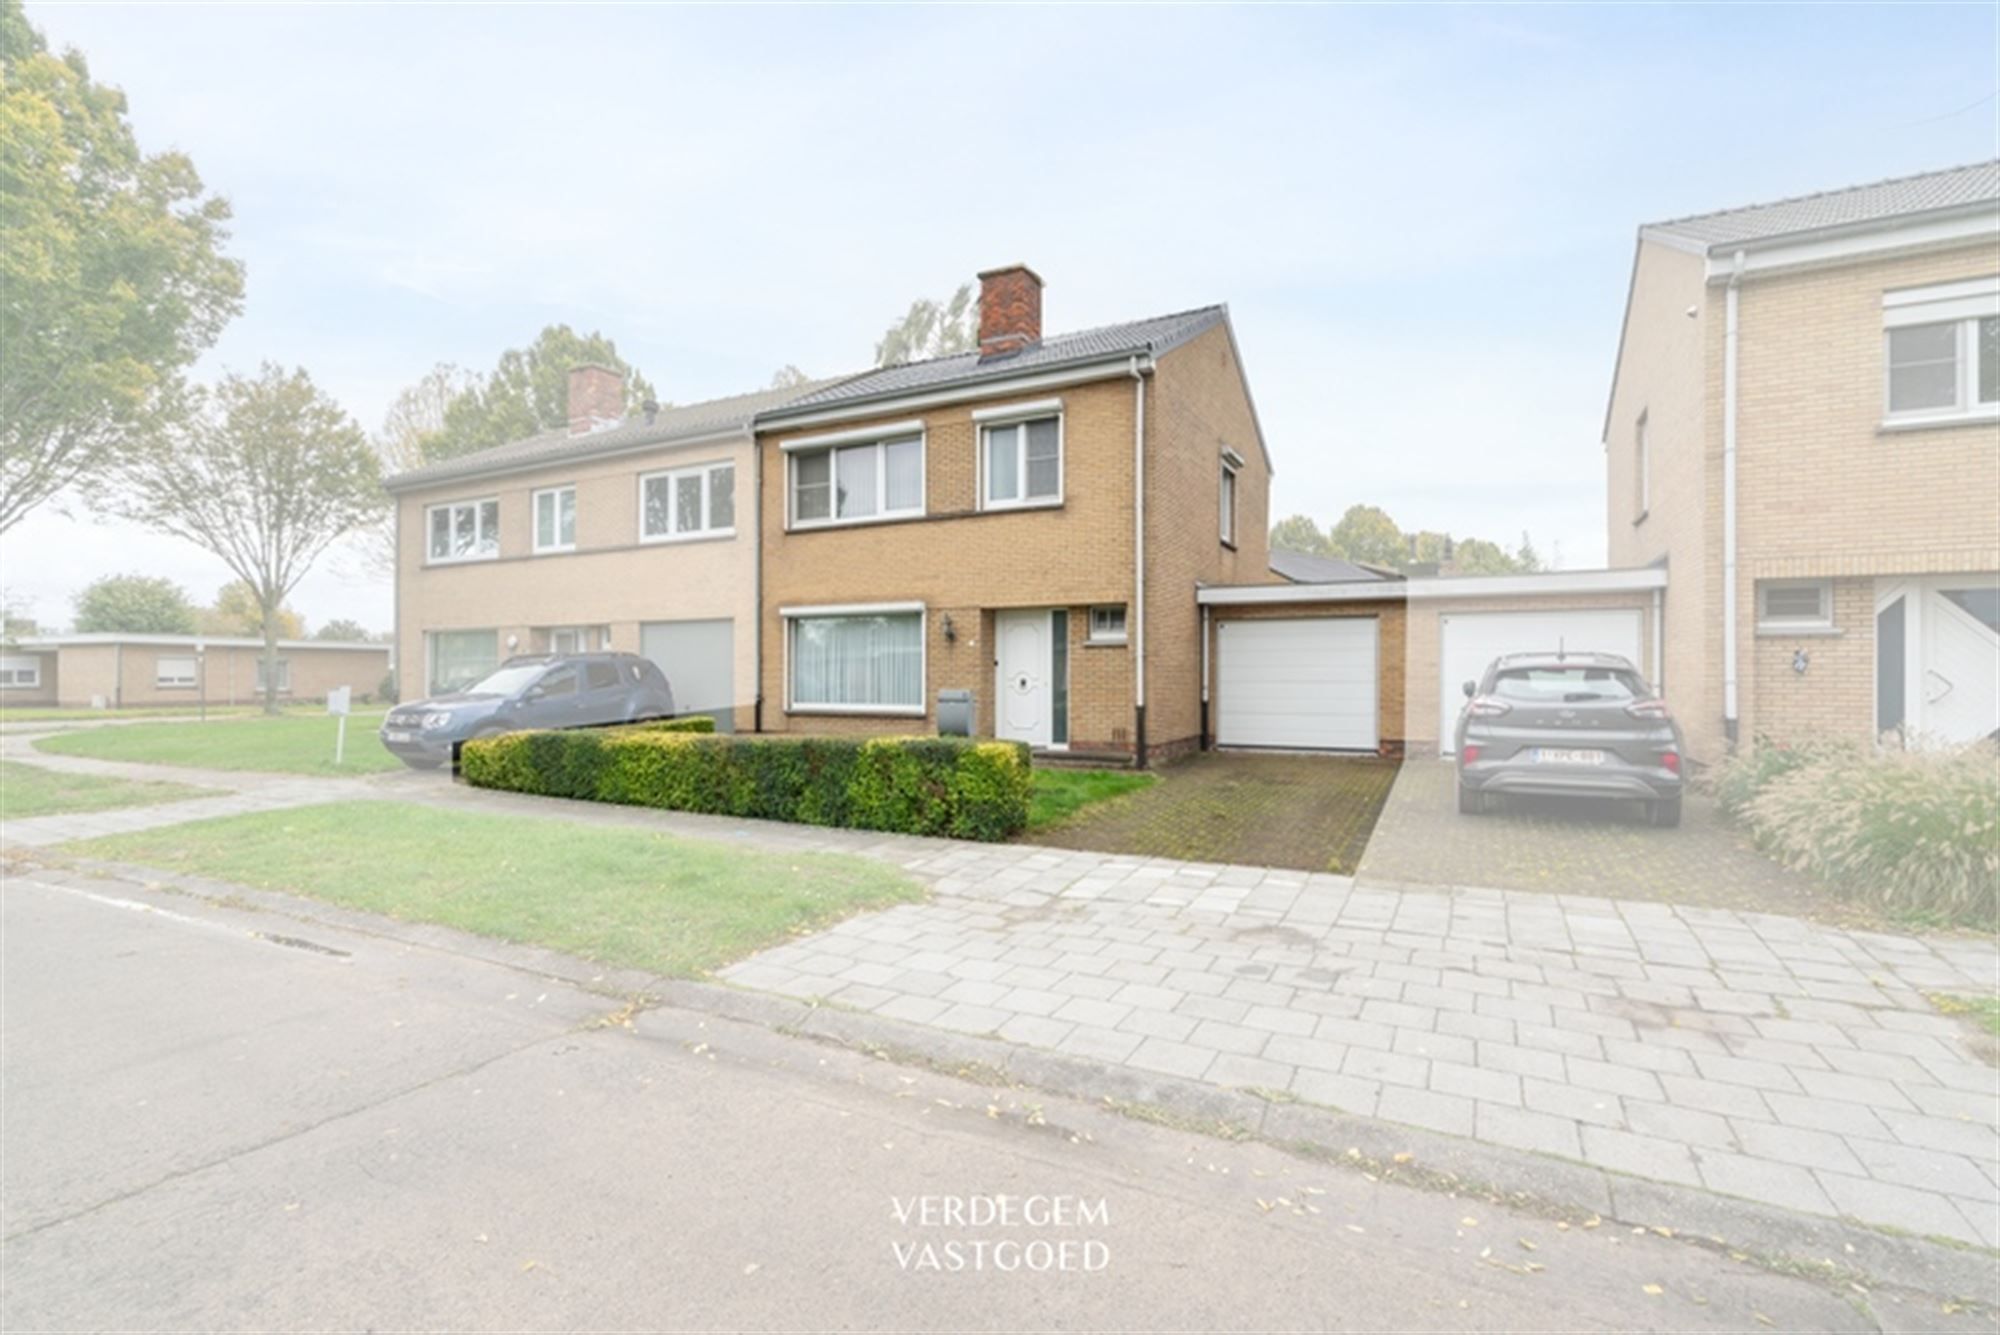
1937	665
1024	686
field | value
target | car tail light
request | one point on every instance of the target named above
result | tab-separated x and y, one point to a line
1649	709
1670	761
1485	706
1468	754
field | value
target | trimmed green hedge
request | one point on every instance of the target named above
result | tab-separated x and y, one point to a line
952	786
691	723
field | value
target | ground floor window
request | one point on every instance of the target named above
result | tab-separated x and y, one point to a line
174	673
284	676
858	662
459	658
19	671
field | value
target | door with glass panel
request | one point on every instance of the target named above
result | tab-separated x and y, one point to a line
1937	659
1031	676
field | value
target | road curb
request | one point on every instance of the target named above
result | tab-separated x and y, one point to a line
1814	1245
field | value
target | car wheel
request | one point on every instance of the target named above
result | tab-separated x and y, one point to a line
1470	801
1665	814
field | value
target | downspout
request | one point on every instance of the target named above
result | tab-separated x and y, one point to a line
1658	662
1204	676
396	603
1729	360
1139	562
757	581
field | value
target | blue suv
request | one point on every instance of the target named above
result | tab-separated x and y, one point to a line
544	691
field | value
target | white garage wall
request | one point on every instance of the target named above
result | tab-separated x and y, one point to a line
1472	640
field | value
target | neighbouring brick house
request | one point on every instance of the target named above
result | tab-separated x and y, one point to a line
1027	522
1804	428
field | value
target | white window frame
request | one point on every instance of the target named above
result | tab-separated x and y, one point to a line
1120	636
1820	621
989	420
1225	519
1642	467
284	676
430	651
793	615
478	508
20	672
1962	305
881	437
535	519
673	477
176	682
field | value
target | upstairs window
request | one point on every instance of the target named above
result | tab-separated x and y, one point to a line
1022	462
464	531
1642	470
688	503
555	520
1227	519
1942	349
852	483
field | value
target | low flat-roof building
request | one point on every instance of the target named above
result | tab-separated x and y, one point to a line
112	670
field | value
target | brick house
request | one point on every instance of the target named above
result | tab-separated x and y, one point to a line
114	670
1804	428
1027	522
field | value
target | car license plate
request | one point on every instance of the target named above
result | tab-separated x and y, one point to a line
396	735
1553	755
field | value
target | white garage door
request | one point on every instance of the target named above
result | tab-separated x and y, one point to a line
699	660
1309	683
1474	639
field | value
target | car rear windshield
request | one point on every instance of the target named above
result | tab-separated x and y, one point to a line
1577	685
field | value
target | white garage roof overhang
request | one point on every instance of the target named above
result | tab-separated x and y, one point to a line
1548	584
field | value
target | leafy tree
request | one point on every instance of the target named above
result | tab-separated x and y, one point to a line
136	605
236	613
1366	533
112	278
1298	533
1476	556
931	329
1527	558
15	623
527	393
265	472
341	629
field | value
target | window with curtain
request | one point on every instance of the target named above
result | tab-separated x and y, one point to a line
1023	462
461	657
858	662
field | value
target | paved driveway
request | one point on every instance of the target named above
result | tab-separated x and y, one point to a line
1310	813
1580	848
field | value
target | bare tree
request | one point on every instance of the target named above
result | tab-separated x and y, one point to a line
265	473
414	417
931	329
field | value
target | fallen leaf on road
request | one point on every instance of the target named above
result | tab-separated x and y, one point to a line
1652	1289
1356	1228
1526	1246
1469	1222
1404	1157
751	1269
528	1265
1762	1319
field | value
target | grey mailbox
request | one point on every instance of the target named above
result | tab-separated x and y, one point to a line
954	713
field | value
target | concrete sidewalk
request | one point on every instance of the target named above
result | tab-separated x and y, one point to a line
1758	1056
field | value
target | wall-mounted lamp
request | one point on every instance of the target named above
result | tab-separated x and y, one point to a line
1800	661
950	631
513	643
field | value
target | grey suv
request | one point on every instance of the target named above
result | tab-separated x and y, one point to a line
1568	725
544	691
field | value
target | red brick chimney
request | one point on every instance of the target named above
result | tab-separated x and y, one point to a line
1010	310
596	399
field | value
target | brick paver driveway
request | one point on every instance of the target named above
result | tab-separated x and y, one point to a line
1311	813
1581	848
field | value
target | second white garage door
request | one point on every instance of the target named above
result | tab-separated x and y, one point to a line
699	660
1471	640
1308	684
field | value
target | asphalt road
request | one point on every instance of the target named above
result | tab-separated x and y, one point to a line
209	1128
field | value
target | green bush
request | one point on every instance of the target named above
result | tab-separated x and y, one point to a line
951	786
690	723
1914	833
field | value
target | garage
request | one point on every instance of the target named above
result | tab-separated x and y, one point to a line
699	659
1472	640
1307	683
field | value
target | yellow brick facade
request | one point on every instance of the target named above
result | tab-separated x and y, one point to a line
1823	489
1391	656
613	581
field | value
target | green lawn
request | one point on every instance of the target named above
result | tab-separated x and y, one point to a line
290	744
29	790
55	714
1060	793
621	897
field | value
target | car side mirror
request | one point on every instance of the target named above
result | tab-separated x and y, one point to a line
1471	689
533	693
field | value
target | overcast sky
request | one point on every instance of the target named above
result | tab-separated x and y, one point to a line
1422	219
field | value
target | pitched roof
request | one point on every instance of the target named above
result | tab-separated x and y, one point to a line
1151	336
1854	206
1305	568
688	421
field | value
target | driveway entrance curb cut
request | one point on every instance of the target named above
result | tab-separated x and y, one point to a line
1810	1244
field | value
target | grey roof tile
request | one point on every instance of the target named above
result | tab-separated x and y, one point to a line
1305	568
677	422
1955	187
1151	336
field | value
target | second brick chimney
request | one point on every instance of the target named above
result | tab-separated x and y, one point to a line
596	398
1010	311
